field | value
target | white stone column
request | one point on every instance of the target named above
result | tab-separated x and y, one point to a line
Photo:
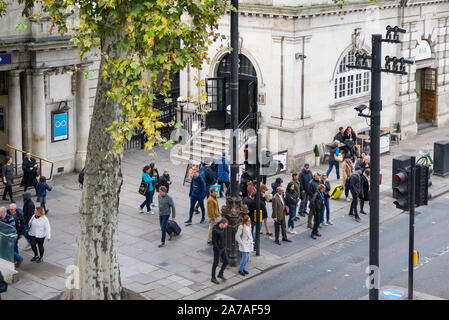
82	118
39	114
14	110
27	114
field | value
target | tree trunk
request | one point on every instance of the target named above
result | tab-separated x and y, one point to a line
97	257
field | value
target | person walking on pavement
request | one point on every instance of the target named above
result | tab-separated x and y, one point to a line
356	189
316	207
311	190
278	216
29	168
8	179
165	180
21	225
155	174
364	195
295	181
223	174
213	212
39	231
207	174
244	238
304	177
264	198
196	194
8	219
147	178
347	169
41	190
166	207
219	249
334	152
327	196
291	200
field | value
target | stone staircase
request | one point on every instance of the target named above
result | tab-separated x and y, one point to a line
205	144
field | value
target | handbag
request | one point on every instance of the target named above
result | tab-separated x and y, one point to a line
338	158
287	209
143	188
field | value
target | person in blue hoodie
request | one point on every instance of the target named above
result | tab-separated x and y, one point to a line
196	194
223	174
149	195
41	191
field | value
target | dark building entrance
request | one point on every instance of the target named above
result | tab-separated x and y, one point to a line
219	93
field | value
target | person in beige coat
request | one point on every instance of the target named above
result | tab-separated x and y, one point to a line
278	215
347	168
213	212
244	238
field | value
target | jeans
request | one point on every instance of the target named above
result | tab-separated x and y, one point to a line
42	202
221	188
327	206
193	201
291	218
148	200
333	163
163	220
303	205
354	201
316	222
243	261
17	257
221	253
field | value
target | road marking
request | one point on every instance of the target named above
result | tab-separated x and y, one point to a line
220	296
392	294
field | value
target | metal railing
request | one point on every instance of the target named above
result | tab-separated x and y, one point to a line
250	122
195	120
7	235
16	150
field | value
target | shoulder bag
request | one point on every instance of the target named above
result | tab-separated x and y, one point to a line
143	188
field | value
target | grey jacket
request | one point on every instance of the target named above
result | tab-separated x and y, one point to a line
165	204
8	173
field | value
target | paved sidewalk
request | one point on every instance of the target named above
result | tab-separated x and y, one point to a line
181	270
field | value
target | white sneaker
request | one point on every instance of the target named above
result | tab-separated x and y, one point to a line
140	210
324	223
294	231
330	222
290	230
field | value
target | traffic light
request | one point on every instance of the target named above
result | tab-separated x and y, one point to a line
422	184
250	159
401	189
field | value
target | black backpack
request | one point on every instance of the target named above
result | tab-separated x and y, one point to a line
3	284
81	177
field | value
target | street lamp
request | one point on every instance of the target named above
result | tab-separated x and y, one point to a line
182	101
392	65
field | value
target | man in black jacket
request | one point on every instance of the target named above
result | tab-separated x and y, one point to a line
218	242
28	207
356	189
311	190
339	135
304	177
165	180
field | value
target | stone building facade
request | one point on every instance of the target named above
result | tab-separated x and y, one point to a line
297	51
40	76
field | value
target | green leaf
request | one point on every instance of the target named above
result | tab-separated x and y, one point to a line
86	74
168	144
21	26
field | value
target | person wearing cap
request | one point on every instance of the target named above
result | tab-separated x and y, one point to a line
311	190
304	177
334	151
346	168
356	190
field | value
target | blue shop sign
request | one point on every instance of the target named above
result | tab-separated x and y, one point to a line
60	126
5	58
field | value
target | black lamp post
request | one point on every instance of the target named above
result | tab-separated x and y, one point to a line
396	66
234	208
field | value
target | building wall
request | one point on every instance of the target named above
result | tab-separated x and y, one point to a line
271	34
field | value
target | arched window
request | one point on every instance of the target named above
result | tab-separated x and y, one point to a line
350	83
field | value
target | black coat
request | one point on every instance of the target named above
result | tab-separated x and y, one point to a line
244	184
8	173
316	203
356	184
29	173
364	195
304	179
252	207
291	199
328	189
313	187
28	210
218	237
163	181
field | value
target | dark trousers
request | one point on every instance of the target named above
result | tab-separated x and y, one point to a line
217	255
353	208
37	242
163	220
148	200
221	187
42	202
303	205
193	201
280	224
8	189
316	221
207	197
362	203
